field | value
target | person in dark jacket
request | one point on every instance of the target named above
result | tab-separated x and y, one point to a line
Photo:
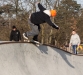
15	34
37	18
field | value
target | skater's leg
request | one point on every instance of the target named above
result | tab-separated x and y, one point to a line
25	36
35	38
34	31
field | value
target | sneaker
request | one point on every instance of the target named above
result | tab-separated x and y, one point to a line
24	36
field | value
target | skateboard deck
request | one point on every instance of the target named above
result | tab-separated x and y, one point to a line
34	42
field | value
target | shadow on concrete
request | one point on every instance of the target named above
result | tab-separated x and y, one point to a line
43	49
64	56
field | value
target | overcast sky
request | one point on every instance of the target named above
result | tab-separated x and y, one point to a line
80	2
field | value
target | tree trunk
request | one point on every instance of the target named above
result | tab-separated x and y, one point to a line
42	39
50	38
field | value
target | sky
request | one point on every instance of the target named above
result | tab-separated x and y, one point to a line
80	2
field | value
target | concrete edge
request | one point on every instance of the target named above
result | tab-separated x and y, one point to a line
10	42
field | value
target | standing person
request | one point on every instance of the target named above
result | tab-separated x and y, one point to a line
74	41
15	34
37	18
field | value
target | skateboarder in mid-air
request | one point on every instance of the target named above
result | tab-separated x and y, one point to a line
37	18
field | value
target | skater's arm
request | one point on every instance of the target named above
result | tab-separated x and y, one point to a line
52	24
41	7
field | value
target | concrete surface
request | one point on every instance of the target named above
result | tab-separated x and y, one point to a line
27	59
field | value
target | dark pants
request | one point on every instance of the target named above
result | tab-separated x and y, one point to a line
74	49
34	31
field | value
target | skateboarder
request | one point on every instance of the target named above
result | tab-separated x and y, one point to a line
37	18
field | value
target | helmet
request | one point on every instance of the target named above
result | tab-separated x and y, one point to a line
53	13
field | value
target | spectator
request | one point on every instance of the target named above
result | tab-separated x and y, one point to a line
74	41
15	34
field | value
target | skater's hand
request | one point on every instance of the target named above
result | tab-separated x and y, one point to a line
57	28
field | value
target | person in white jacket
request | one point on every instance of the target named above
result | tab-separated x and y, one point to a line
74	41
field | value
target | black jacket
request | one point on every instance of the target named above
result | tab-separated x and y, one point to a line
40	17
15	35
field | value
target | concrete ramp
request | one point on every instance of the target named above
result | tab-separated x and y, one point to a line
27	59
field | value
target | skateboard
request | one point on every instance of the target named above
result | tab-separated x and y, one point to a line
34	42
